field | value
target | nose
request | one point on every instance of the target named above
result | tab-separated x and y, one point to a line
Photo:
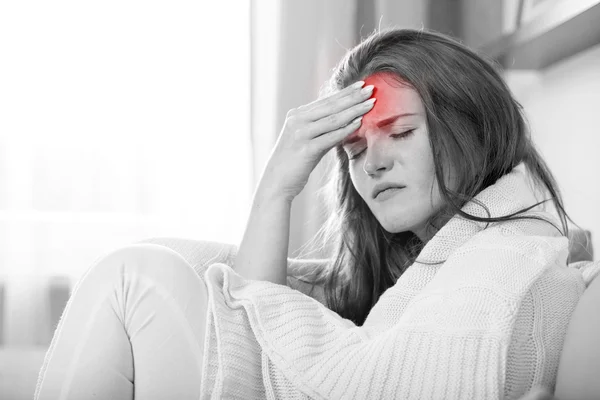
378	158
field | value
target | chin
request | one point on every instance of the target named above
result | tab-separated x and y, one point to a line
395	227
397	222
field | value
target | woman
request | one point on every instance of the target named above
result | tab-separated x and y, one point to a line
448	275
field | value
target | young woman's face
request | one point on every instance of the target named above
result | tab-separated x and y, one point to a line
397	153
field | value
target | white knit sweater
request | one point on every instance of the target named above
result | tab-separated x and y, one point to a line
488	322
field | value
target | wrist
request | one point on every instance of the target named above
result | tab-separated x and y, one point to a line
268	192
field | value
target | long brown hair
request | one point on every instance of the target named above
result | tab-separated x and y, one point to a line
484	137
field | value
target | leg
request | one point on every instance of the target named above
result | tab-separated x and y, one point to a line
136	316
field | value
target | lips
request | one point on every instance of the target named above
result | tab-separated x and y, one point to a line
383	193
384	186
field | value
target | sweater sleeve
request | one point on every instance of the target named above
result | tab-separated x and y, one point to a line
450	341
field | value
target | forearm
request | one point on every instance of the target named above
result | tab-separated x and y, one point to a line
262	254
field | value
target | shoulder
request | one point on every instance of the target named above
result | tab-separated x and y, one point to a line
535	240
485	281
506	258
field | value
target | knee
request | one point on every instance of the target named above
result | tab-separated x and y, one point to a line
144	259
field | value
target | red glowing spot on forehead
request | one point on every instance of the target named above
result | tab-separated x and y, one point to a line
388	99
391	101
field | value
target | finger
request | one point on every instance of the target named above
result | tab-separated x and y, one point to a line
326	141
337	95
340	119
336	106
348	90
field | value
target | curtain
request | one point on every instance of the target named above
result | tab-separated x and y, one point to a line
119	121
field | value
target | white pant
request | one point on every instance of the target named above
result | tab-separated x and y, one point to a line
137	315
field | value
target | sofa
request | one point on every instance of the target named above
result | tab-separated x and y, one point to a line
576	379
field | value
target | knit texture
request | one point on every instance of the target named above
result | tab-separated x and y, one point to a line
487	321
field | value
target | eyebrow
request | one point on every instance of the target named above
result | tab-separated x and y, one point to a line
381	124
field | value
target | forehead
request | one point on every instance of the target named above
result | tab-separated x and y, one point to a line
393	98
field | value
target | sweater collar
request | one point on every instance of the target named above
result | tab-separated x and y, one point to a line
509	194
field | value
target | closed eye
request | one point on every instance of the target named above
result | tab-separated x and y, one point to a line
403	134
394	136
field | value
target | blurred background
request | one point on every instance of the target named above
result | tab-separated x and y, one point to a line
121	121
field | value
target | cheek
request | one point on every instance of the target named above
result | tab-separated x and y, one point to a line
432	192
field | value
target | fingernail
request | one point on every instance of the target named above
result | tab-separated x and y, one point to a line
367	89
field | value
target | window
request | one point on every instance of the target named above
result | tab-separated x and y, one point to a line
119	121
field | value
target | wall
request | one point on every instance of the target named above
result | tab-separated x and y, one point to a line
562	105
402	13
